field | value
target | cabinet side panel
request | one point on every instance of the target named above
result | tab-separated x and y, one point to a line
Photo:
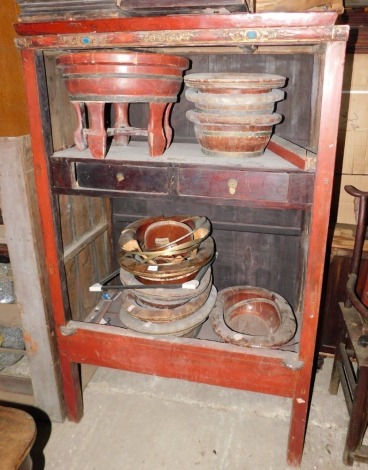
85	227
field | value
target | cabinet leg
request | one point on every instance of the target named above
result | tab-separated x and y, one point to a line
72	389
298	422
97	136
156	134
121	119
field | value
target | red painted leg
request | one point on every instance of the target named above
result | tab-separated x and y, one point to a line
121	119
167	126
156	135
297	433
96	135
298	420
72	389
79	137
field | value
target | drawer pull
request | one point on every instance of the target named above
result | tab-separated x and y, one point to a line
232	184
119	177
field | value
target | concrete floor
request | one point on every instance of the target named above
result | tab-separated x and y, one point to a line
137	422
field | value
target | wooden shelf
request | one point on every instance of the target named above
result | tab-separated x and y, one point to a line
39	388
179	154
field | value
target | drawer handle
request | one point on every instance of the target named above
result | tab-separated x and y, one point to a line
232	184
119	177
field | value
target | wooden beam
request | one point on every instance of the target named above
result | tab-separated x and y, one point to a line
16	186
10	384
2	235
356	3
76	247
211	362
298	156
177	23
292	48
20	352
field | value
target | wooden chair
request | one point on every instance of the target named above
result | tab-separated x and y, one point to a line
18	433
350	366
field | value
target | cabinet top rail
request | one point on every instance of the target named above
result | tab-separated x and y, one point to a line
178	22
185	30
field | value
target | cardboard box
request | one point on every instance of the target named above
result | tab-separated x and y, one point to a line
346	214
352	147
353	126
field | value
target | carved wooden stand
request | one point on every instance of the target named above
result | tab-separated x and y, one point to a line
279	186
96	78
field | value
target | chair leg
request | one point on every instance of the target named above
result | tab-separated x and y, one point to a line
335	376
358	418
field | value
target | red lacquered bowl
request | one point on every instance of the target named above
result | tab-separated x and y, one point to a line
122	76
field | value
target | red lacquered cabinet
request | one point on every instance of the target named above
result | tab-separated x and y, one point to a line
279	208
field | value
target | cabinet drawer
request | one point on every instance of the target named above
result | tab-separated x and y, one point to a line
275	187
122	177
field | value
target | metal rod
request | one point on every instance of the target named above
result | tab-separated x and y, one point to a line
104	287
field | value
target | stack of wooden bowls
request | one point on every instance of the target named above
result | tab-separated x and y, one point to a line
235	111
166	249
173	255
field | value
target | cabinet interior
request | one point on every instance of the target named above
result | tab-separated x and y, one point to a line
251	241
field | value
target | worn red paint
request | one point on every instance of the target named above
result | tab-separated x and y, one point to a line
31	346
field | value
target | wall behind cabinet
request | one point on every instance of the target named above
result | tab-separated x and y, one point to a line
13	116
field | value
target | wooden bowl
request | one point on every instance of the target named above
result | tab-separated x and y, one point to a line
122	76
166	233
253	317
166	249
231	102
236	135
243	83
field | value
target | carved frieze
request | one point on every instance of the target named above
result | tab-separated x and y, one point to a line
226	36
